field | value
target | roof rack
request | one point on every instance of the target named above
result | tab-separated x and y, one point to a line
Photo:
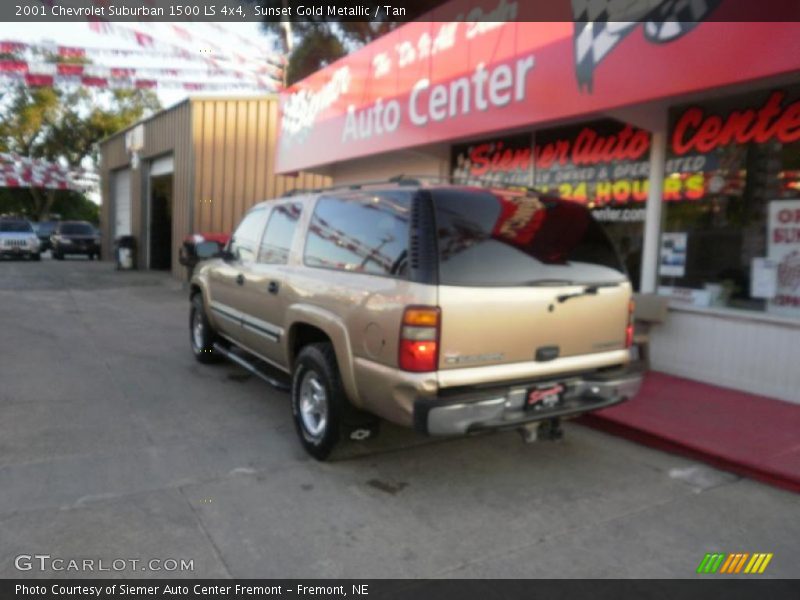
399	180
411	180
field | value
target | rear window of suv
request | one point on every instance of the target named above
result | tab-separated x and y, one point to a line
496	239
361	232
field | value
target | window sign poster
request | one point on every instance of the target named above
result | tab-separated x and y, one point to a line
683	295
507	161
764	278
784	249
673	254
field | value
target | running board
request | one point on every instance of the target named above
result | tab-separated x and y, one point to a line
277	384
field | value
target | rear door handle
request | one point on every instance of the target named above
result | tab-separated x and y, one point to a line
273	287
240	279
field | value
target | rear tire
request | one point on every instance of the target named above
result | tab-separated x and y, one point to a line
58	255
201	335
36	256
318	399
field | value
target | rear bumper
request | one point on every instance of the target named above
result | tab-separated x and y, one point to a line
503	407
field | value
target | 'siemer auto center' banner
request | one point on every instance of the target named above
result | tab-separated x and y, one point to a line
439	80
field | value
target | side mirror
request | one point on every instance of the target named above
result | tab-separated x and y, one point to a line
206	250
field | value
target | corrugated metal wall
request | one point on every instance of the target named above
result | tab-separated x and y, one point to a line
234	143
223	153
165	133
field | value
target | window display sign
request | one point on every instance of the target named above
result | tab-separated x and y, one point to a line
764	278
673	254
604	163
784	248
682	295
499	161
696	131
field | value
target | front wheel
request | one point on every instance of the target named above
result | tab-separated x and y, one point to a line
36	256
201	335
318	400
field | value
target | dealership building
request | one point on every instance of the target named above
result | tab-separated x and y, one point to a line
682	138
197	166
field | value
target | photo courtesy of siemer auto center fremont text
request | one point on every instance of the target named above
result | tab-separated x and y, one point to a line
434	299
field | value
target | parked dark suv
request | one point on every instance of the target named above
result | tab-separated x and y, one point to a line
75	237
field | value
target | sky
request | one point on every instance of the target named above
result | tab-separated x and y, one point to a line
80	34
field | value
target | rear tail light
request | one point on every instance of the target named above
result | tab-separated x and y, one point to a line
629	328
419	339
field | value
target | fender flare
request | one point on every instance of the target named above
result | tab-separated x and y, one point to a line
332	326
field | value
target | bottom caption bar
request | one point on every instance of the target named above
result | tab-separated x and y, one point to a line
399	589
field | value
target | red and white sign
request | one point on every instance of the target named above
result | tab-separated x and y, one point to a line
784	248
430	82
22	171
775	119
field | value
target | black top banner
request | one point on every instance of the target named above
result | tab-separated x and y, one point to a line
393	589
399	11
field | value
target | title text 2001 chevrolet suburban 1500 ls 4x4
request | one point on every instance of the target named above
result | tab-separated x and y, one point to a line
449	309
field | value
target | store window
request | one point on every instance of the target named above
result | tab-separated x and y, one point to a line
731	215
502	161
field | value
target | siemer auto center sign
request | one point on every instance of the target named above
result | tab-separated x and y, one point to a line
478	67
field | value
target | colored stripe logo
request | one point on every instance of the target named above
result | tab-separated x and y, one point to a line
735	563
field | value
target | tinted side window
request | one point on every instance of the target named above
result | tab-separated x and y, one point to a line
244	243
364	232
277	240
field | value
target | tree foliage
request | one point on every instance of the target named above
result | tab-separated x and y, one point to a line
65	125
317	42
67	205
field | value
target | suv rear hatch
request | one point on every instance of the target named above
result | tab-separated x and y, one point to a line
524	278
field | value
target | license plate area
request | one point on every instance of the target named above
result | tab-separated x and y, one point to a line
544	397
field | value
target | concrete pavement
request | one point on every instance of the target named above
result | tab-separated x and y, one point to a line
116	444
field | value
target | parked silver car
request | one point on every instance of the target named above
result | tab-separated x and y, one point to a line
18	239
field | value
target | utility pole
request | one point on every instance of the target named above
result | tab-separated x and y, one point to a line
288	39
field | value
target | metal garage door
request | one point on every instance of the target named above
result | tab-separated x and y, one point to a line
121	202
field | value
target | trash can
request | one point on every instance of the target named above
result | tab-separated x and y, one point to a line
125	252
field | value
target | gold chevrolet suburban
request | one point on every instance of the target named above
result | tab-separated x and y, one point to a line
450	309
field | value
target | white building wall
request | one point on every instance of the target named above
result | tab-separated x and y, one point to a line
750	353
431	161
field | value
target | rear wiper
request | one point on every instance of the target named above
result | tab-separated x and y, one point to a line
589	290
548	282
